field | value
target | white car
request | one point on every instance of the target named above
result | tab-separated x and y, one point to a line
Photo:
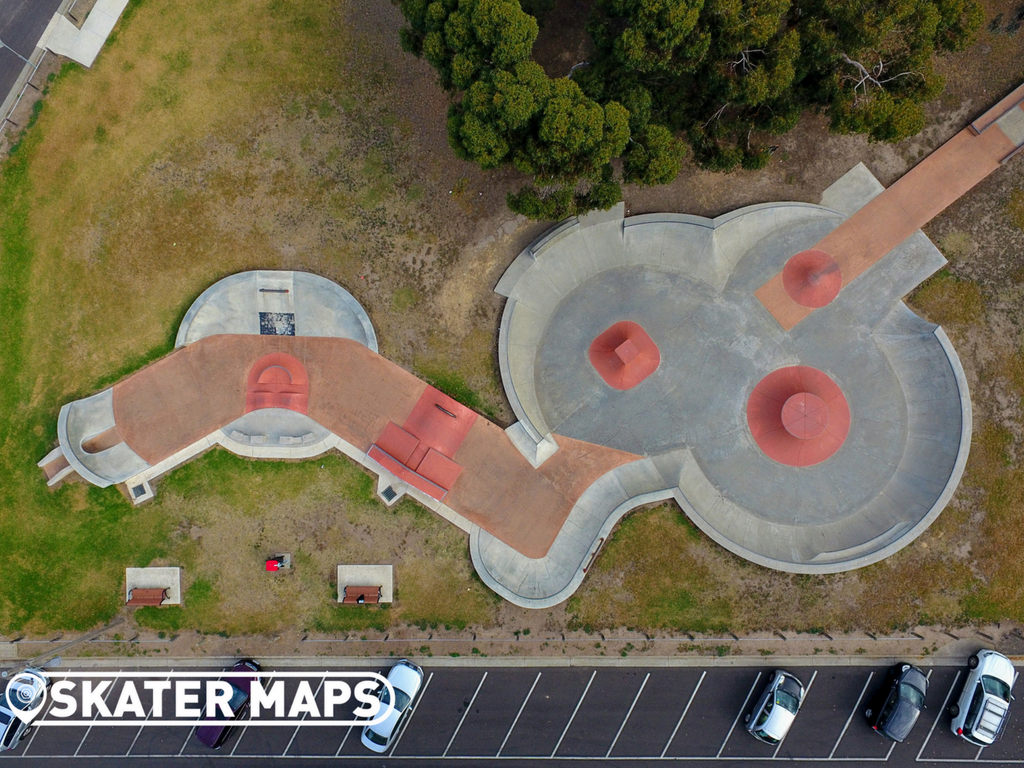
979	715
23	691
776	709
406	678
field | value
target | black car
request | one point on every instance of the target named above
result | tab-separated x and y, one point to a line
897	705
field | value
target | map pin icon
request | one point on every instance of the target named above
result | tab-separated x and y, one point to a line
26	696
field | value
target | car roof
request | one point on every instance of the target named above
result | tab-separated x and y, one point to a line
777	725
901	720
406	678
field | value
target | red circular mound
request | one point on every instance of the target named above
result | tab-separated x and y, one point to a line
624	355
812	278
798	416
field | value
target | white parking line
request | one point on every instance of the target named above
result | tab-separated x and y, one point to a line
521	708
626	720
338	753
807	692
415	707
685	710
304	714
941	710
148	714
246	726
87	730
573	717
978	756
463	718
35	728
852	713
739	715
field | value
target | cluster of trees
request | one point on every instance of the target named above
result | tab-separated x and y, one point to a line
723	74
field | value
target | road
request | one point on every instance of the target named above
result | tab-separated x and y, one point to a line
21	24
476	716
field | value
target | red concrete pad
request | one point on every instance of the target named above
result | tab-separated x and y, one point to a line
440	423
277	380
407	475
624	355
812	278
439	469
398	443
798	416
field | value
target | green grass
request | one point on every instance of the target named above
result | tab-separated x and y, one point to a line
453	385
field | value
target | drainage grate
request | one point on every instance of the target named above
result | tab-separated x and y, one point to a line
138	490
389	493
277	323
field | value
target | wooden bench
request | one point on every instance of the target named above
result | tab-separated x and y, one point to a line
361	595
139	596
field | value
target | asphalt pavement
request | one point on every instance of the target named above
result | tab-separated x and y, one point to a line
21	25
551	716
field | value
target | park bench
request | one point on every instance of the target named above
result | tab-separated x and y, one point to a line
140	596
361	595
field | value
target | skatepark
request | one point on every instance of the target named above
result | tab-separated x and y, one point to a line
759	368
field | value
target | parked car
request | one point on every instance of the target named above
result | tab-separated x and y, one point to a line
979	715
895	708
26	689
217	727
406	678
777	707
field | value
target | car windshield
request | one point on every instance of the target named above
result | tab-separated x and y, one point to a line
996	687
376	738
238	698
787	701
767	736
912	695
401	699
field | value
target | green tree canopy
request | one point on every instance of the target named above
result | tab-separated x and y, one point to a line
723	73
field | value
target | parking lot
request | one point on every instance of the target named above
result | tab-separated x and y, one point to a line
548	715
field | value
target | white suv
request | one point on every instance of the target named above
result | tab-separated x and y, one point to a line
981	711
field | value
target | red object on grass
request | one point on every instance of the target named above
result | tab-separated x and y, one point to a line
812	278
277	380
798	416
273	565
624	355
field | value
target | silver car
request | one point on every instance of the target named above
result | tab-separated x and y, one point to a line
777	707
26	690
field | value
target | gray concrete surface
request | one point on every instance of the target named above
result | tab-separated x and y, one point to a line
689	282
81	420
320	307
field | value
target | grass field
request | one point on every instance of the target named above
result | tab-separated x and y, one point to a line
208	138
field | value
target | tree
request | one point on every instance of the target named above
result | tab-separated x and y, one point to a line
723	71
508	111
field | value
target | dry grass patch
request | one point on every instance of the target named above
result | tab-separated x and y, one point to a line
949	300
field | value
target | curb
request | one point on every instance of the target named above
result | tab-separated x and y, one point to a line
329	662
